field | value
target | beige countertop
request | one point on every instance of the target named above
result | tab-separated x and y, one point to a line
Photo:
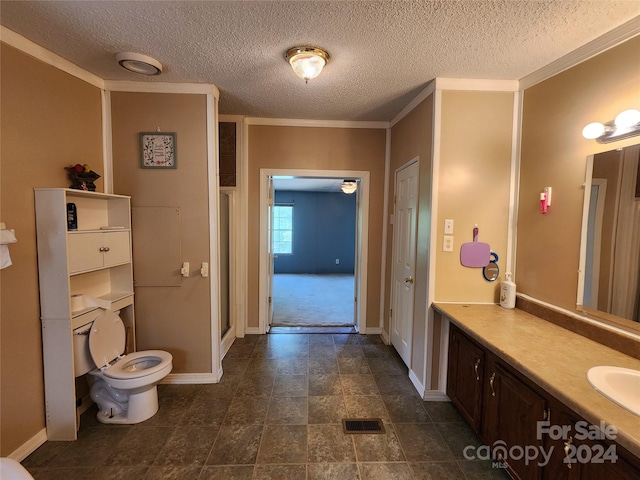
554	358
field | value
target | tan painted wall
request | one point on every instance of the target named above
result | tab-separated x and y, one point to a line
413	137
473	188
554	154
175	319
317	149
49	120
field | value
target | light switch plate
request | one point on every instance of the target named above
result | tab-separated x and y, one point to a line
448	226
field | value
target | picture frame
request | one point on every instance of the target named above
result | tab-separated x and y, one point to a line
158	150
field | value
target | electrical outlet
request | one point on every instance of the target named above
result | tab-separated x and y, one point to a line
447	243
448	226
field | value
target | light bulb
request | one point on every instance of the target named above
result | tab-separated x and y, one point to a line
307	65
593	130
627	119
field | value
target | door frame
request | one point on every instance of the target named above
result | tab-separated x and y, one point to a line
362	226
394	246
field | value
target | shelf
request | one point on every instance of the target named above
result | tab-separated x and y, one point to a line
114	297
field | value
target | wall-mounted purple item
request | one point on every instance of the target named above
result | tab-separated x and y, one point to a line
475	254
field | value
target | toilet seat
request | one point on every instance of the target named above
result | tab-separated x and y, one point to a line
132	365
106	339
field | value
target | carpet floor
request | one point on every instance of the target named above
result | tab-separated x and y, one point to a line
313	300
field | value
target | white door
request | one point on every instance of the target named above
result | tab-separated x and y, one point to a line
404	259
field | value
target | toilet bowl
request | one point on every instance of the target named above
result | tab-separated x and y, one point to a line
124	387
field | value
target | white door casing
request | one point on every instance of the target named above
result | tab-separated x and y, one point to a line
404	259
362	255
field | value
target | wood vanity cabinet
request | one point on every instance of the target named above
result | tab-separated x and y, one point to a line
505	408
511	414
466	376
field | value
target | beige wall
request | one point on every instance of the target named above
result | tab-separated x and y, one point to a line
317	149
49	120
554	154
175	319
412	137
473	188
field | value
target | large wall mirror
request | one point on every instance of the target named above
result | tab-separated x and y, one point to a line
609	281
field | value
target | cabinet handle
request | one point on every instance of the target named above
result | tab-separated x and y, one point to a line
493	377
567	449
106	249
101	249
475	368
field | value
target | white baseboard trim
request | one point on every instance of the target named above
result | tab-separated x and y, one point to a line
252	331
385	337
84	406
435	396
192	378
416	383
226	343
30	446
371	331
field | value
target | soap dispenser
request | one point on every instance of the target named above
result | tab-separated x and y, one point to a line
507	292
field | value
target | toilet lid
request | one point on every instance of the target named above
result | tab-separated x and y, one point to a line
106	338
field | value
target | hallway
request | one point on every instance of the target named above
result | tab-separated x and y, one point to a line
277	414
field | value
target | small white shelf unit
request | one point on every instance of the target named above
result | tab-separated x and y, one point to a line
94	260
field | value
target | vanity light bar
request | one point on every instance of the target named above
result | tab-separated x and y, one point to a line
625	125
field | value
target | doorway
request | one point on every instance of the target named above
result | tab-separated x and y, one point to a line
313	261
313	244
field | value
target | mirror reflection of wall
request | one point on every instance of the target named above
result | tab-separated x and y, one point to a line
612	250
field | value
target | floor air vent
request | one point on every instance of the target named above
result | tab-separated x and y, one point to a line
362	425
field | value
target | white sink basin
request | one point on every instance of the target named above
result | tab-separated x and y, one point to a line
620	385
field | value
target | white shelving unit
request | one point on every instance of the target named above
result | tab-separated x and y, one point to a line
91	260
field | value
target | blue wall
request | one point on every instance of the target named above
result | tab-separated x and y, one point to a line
324	228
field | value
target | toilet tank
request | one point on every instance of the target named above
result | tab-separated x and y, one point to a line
82	361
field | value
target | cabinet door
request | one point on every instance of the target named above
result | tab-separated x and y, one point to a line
84	251
465	377
512	411
116	248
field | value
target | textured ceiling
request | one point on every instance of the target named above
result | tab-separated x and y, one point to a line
383	52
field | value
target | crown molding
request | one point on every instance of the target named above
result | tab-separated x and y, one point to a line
289	122
161	87
477	84
428	90
609	40
25	45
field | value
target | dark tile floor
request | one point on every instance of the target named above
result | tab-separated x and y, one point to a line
277	414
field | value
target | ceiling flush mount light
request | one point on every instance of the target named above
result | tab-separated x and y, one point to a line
138	63
625	125
349	186
307	61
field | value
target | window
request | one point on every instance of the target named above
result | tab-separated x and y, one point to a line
282	229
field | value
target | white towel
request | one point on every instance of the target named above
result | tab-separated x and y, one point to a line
5	258
6	237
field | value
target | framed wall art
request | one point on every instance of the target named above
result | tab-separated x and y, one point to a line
157	150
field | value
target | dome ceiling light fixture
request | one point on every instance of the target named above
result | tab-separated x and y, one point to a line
307	62
349	186
139	63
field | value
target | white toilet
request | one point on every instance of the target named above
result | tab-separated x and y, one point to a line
12	470
124	387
